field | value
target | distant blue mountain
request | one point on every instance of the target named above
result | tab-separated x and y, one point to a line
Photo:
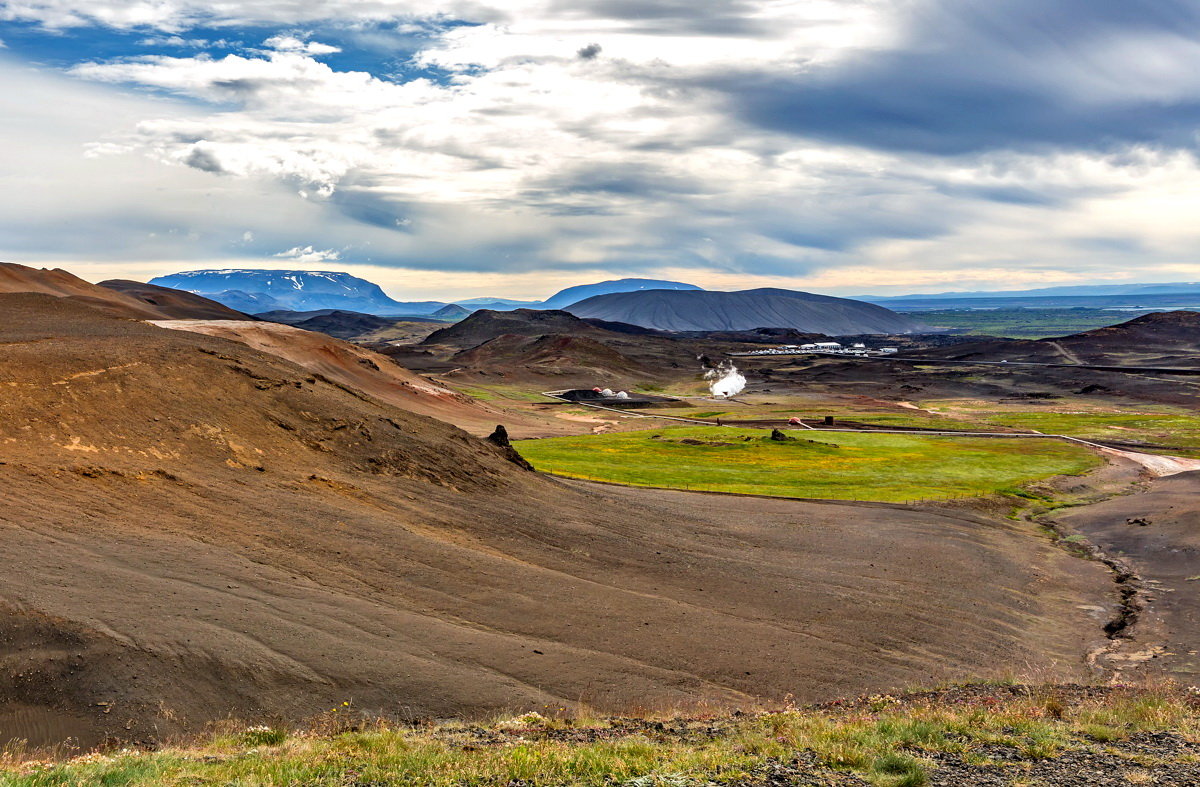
1072	290
496	304
570	295
253	291
294	290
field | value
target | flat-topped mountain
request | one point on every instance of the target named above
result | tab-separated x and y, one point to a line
297	290
703	310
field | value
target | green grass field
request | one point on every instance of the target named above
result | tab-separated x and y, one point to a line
498	393
1024	323
887	468
1178	431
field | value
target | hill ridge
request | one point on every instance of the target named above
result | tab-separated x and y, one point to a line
767	307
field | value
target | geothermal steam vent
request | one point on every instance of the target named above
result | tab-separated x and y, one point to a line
725	380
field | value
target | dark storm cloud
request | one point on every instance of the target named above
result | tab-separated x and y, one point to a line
1009	195
366	207
589	52
204	160
976	75
842	227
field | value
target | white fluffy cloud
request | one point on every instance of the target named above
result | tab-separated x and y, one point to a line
309	256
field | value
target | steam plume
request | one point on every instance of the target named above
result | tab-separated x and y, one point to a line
726	380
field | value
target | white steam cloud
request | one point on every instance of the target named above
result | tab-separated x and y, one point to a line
726	380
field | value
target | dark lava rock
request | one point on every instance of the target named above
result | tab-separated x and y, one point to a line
499	438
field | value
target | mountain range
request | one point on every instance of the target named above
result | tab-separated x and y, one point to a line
256	291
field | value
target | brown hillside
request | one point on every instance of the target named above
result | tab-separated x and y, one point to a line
1167	338
117	298
61	284
1170	339
356	367
192	528
174	304
551	358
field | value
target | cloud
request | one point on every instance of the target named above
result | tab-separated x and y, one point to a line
179	42
203	159
309	256
974	75
177	15
284	43
844	144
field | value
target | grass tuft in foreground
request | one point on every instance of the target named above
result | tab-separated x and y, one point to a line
1014	731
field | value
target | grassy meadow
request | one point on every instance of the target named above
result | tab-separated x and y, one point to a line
498	393
1175	430
1024	323
880	467
886	740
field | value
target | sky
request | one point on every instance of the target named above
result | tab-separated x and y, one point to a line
455	148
